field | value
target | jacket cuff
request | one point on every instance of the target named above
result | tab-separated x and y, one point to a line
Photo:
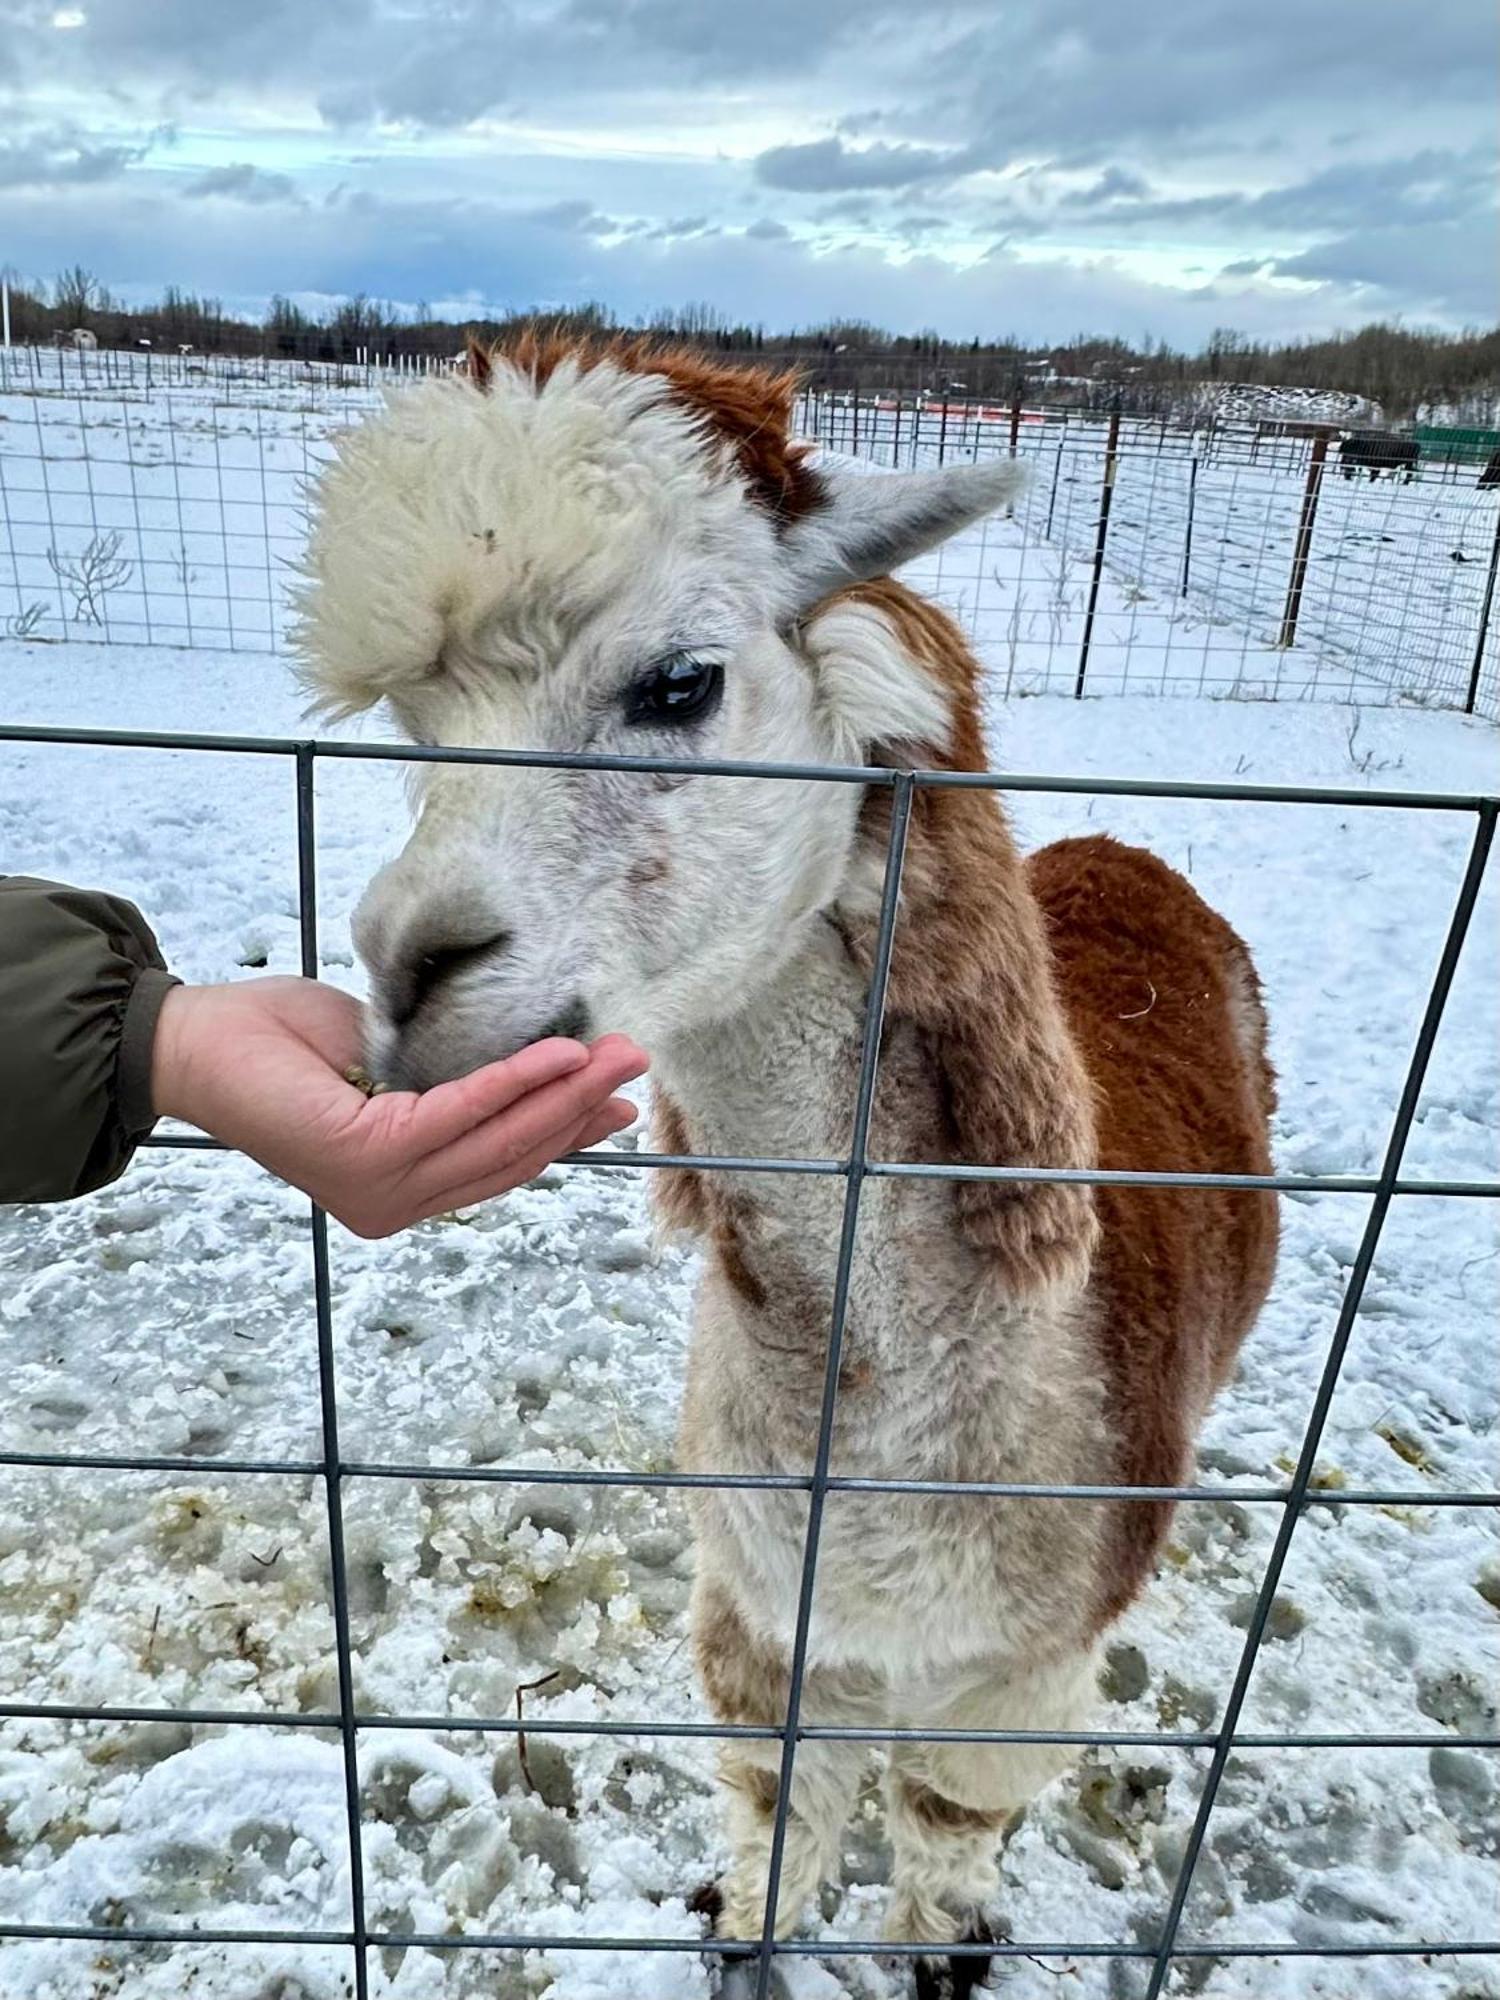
137	1044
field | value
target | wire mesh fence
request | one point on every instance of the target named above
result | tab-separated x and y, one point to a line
1254	559
1169	1946
160	501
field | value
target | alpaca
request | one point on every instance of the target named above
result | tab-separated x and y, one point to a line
617	549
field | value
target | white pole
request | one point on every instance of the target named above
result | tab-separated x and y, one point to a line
5	306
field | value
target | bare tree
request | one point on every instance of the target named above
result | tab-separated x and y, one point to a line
76	293
91	576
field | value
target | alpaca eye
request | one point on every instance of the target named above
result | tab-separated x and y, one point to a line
677	689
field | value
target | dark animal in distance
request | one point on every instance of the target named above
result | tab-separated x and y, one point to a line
1377	452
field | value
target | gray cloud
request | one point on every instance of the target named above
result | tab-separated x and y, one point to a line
1115	184
766	230
1422	188
824	165
1432	268
683	225
577	217
1078	77
241	180
61	157
731	41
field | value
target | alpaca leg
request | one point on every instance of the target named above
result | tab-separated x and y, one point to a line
747	1682
950	1806
824	1779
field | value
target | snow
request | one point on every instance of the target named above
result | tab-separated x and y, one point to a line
193	489
172	1313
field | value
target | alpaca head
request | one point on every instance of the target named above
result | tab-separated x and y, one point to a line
612	551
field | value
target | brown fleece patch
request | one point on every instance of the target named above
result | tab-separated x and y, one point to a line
970	972
642	874
745	1681
747	409
1180	1273
729	1244
681	1195
700	1204
760	1786
941	1815
476	362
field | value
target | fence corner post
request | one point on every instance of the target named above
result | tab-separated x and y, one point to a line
1302	547
1485	609
1101	536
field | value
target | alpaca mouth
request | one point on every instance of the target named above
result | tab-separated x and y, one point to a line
573	1024
429	1050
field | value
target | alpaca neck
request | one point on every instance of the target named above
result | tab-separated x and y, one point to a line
977	1064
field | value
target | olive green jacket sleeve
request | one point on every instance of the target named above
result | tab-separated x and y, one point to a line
81	985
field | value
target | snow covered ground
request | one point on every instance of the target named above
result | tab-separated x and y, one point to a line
173	1314
169	514
164	517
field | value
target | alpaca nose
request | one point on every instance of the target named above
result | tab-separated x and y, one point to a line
422	972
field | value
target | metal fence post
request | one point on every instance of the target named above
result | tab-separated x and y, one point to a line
1015	445
333	1469
1303	544
1106	497
1187	535
1484	620
1056	471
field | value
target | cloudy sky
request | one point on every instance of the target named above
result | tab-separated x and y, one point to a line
980	166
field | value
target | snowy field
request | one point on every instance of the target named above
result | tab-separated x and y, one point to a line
171	514
172	1314
167	516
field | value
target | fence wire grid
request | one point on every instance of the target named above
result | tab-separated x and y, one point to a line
161	501
1237	559
1169	1947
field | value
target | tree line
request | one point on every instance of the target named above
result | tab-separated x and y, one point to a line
1399	368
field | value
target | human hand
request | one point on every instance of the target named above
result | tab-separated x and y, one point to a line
260	1064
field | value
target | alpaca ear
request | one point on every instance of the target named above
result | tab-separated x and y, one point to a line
478	365
868	524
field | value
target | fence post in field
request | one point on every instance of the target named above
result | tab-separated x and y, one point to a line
1303	545
1106	496
1187	536
1015	441
1056	469
1484	620
943	428
854	423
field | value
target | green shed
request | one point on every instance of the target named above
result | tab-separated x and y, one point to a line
1463	446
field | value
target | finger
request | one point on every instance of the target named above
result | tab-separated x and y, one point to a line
443	1114
537	1120
486	1187
619	1057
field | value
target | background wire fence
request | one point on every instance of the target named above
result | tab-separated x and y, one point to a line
160	500
1170	1945
1243	558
